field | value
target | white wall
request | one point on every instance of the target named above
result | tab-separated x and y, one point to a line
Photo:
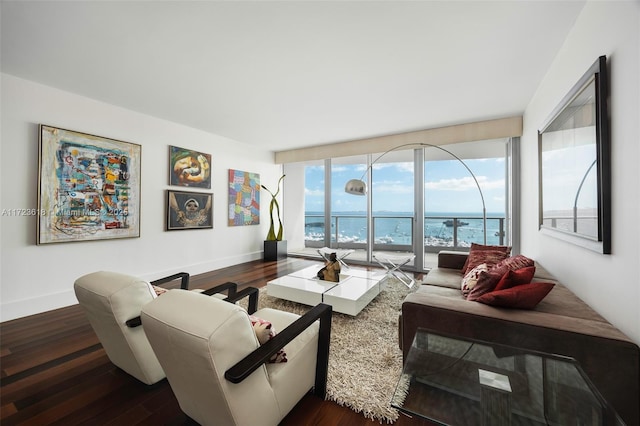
609	283
293	209
39	278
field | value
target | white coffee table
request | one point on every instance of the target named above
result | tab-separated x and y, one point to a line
349	296
352	296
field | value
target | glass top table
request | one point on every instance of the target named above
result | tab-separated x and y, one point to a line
456	381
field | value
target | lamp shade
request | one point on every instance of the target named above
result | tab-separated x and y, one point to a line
356	187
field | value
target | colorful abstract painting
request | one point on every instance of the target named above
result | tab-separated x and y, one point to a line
88	188
189	168
244	198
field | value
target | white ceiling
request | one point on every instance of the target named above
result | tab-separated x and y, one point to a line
290	74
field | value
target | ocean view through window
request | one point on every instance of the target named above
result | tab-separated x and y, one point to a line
442	229
388	220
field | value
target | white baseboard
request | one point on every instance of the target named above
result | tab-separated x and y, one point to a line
43	303
200	268
36	305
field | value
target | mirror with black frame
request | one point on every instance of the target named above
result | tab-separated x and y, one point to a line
574	165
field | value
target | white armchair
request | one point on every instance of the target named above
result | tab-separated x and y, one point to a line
112	303
217	368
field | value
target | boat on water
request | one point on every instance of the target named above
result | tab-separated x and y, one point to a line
449	223
384	240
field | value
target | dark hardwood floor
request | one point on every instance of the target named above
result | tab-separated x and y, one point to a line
54	370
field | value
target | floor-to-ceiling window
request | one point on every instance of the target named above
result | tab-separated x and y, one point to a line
348	213
457	190
314	203
419	200
392	192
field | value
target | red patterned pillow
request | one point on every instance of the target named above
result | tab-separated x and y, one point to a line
490	257
514	262
515	278
469	281
478	248
486	282
525	296
264	332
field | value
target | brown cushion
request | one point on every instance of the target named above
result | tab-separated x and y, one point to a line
452	259
525	296
443	277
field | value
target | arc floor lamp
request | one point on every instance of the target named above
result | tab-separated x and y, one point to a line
359	187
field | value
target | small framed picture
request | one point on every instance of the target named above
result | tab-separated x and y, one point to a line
189	168
189	210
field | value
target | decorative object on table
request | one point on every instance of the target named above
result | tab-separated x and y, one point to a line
244	198
189	168
359	187
331	271
575	165
274	246
189	210
88	187
341	254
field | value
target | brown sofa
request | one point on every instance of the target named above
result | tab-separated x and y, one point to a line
560	324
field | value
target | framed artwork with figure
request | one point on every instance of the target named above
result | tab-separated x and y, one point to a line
189	210
189	168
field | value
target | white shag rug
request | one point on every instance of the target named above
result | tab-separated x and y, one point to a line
365	361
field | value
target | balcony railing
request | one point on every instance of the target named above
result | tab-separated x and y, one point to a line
395	233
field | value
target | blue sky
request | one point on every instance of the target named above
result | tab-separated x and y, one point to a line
449	187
